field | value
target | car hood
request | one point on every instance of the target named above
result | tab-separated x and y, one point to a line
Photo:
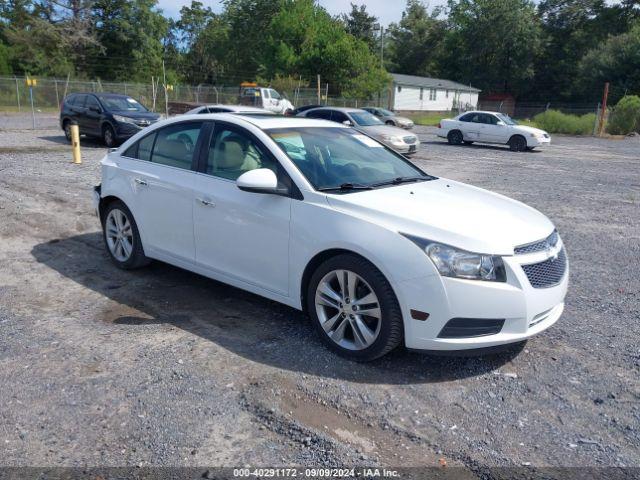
527	129
137	115
377	130
403	119
449	212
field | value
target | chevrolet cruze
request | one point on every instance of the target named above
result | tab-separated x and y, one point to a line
326	219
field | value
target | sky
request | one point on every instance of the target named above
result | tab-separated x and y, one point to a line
386	10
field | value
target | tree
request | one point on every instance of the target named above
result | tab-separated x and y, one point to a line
492	44
626	116
304	39
415	42
131	34
361	25
617	61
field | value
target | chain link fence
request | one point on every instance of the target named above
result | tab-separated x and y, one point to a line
48	94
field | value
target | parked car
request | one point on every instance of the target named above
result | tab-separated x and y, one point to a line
108	116
394	137
239	109
491	127
390	118
320	217
267	98
304	108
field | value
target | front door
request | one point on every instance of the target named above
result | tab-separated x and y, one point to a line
240	234
90	121
163	182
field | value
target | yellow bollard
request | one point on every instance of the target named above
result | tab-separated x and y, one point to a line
75	144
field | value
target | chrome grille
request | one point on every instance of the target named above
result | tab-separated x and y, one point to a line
538	246
548	273
410	139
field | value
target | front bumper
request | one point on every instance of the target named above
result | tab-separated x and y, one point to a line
526	311
538	141
405	148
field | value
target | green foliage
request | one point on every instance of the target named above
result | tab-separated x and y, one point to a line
554	121
428	119
625	117
360	24
492	43
617	61
415	42
5	68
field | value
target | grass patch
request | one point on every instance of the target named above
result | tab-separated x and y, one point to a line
554	121
428	119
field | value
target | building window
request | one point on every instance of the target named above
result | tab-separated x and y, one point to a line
399	88
432	94
421	92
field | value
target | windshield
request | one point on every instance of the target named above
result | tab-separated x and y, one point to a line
122	104
365	119
334	157
387	113
506	119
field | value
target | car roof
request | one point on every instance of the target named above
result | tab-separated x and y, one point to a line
264	122
481	111
339	109
234	108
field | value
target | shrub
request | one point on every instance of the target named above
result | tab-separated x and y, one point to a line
554	121
625	117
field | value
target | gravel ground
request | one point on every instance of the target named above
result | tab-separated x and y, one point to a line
162	367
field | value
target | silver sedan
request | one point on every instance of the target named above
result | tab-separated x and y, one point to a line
390	118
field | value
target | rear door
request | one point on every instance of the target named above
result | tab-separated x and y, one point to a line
162	178
77	110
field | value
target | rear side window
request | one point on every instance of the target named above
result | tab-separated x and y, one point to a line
79	100
466	118
323	114
339	117
175	145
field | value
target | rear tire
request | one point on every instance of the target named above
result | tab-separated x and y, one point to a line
517	143
454	137
357	336
109	136
121	237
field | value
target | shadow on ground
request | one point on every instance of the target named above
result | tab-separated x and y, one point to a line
255	328
88	142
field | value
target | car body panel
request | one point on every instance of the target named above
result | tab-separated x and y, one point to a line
264	243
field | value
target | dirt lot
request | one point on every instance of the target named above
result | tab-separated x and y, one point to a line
163	367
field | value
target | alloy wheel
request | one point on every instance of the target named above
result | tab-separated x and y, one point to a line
119	235
348	309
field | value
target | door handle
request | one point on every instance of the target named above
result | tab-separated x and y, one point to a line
206	203
139	181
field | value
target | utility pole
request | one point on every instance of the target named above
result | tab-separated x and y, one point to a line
166	97
319	89
603	111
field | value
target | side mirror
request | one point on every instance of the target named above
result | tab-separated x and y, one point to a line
260	180
347	123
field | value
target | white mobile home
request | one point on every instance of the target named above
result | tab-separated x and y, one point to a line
419	94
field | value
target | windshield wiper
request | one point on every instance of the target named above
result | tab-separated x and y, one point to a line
345	187
400	180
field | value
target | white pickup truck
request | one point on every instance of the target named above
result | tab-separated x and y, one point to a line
266	98
491	127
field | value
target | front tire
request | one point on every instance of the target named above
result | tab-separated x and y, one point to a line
109	136
391	122
354	308
454	137
517	143
121	237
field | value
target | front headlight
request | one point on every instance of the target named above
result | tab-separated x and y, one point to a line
456	263
392	139
121	119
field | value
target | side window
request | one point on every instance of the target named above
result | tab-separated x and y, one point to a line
491	119
232	152
466	118
266	93
322	114
175	145
339	117
91	102
219	110
274	94
79	101
142	148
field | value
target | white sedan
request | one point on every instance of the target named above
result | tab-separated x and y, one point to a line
320	217
491	127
